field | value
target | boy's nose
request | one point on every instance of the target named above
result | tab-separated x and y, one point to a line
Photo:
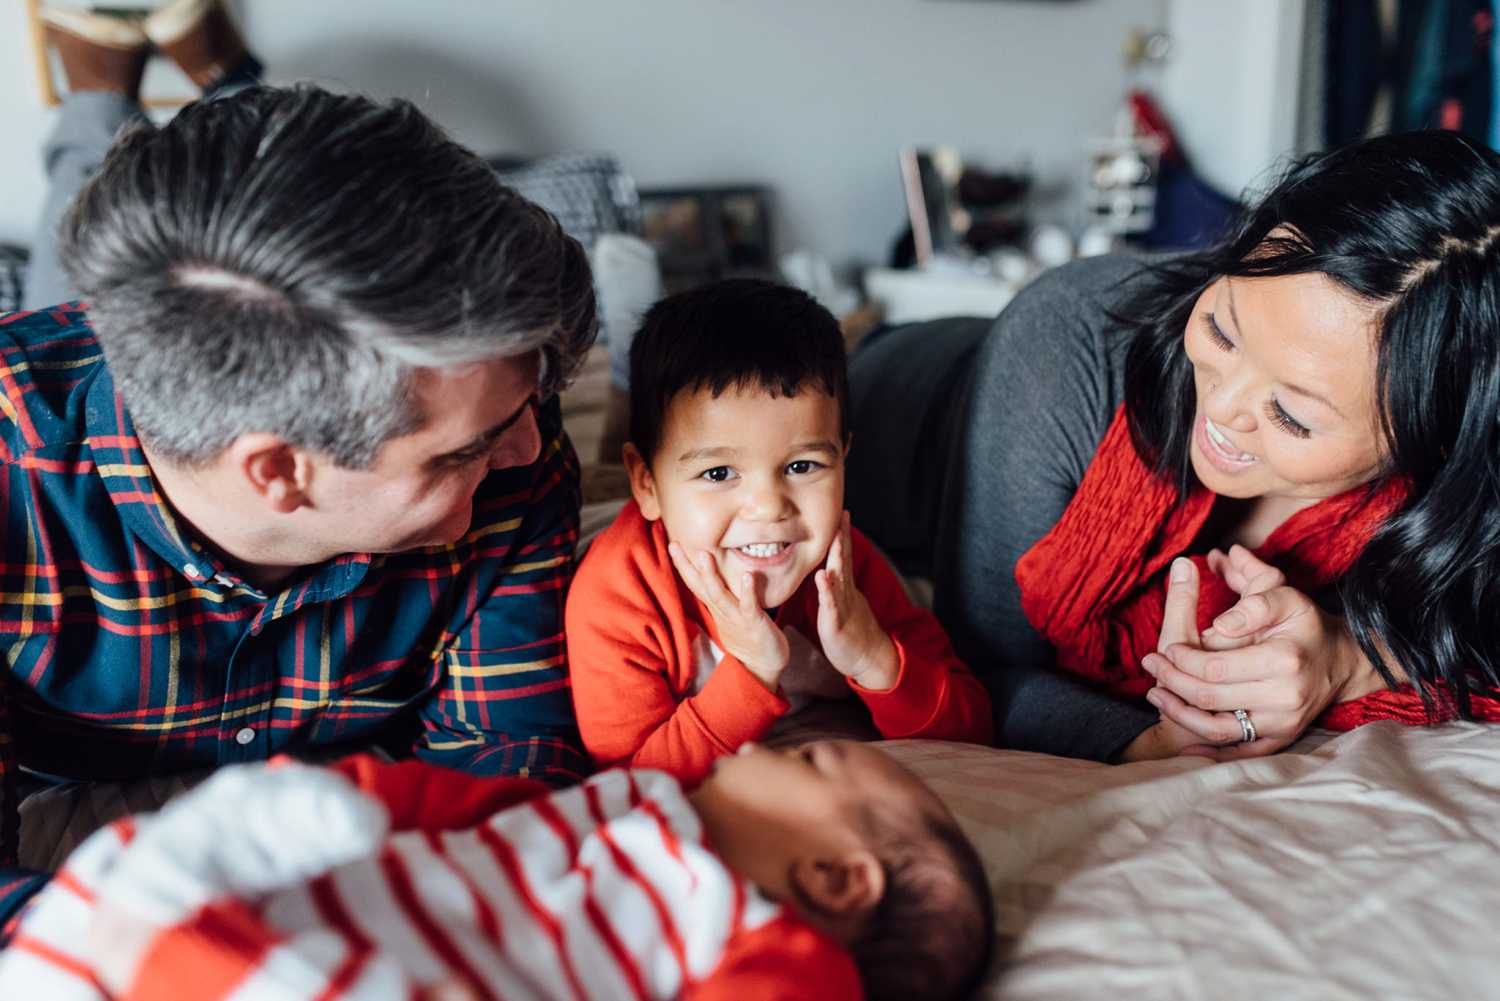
767	503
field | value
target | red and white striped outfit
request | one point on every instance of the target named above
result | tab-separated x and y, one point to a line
379	881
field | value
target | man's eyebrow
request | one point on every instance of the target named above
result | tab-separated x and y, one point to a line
485	438
1307	393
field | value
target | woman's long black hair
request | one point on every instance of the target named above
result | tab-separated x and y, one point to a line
1410	223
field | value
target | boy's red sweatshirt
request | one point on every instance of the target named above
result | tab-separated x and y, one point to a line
653	688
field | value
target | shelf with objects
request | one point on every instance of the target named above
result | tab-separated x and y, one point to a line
972	245
965	252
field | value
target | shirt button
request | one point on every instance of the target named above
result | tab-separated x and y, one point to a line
245	736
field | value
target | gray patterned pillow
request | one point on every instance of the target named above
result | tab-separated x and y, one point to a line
587	192
12	276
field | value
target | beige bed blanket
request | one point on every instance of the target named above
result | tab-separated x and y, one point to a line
1364	866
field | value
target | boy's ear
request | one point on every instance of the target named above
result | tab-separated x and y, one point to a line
278	473
839	892
642	484
848	442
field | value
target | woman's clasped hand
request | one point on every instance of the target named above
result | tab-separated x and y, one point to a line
1275	656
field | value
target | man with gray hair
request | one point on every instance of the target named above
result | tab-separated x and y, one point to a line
292	476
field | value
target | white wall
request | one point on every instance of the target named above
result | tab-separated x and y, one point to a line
811	96
1230	87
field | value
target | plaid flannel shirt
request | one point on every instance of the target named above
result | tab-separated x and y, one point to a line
130	650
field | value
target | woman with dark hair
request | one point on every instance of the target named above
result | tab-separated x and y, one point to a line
1309	412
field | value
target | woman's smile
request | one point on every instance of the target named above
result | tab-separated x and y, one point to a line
1219	450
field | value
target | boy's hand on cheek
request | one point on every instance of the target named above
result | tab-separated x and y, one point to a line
852	638
745	630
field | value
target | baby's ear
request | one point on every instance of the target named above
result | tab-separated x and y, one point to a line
642	484
839	893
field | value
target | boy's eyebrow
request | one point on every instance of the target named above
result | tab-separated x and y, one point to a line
710	452
825	446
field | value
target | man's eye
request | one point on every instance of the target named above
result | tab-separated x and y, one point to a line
718	474
802	467
459	459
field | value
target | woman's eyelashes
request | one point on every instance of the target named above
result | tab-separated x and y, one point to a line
1216	334
1284	420
1273	409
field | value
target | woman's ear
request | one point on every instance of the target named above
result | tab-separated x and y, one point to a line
839	893
642	484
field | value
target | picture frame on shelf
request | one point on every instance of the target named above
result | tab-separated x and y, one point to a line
704	234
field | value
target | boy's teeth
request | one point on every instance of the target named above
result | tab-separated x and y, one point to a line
762	549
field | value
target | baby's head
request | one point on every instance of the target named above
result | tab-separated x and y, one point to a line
861	848
738	400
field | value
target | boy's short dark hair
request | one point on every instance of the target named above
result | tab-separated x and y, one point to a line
740	332
933	932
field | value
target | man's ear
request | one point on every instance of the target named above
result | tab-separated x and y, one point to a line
277	472
642	483
839	892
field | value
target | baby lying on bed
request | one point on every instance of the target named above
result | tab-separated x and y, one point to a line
784	875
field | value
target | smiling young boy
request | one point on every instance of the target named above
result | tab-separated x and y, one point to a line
733	588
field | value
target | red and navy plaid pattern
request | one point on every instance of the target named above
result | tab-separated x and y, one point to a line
130	650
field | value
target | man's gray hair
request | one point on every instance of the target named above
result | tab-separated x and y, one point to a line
284	260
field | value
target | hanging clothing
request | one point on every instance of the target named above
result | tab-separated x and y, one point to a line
1355	67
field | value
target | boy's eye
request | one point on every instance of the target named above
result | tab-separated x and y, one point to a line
718	474
801	467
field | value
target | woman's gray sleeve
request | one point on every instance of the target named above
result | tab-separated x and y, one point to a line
1047	380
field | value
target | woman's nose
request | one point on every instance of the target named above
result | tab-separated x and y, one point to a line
1229	401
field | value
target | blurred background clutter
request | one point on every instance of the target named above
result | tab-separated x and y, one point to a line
899	159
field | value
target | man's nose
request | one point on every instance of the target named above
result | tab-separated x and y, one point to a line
520	444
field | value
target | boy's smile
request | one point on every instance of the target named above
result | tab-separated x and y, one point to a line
754	480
